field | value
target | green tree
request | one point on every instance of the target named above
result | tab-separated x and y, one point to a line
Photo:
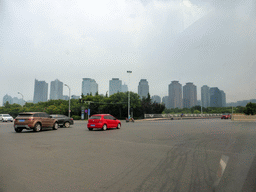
250	109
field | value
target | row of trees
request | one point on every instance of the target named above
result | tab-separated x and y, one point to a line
210	110
115	104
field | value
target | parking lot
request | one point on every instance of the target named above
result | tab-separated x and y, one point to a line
181	155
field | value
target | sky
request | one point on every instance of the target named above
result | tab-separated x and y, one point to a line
207	42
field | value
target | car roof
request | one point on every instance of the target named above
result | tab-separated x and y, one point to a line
100	114
30	112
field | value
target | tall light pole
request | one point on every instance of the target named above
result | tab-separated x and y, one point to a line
201	108
129	95
68	101
22	98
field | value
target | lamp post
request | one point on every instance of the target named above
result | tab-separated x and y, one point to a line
129	95
22	98
68	101
201	108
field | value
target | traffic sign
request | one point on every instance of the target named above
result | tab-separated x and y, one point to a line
85	110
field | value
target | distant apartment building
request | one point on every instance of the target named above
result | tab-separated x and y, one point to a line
124	88
89	86
115	86
166	102
40	91
215	97
175	95
143	88
156	99
223	98
65	97
17	101
7	98
56	90
75	97
205	96
189	95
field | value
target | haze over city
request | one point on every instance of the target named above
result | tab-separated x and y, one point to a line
209	42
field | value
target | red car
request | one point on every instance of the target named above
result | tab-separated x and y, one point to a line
103	121
228	116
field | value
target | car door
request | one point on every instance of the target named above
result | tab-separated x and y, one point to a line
114	122
108	121
111	121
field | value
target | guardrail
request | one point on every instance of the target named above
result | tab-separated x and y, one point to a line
241	117
170	116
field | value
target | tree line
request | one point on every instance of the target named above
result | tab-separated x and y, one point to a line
117	105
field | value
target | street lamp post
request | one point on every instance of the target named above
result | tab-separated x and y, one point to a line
22	98
201	108
129	95
68	101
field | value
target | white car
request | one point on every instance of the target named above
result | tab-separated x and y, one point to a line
6	117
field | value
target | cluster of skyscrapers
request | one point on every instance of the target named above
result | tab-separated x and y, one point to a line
178	96
186	96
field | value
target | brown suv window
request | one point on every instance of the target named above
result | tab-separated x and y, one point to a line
36	115
25	115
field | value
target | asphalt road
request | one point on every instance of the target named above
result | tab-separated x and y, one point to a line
181	155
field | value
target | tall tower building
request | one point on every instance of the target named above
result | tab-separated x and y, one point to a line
156	99
124	88
7	98
175	95
89	86
215	97
115	86
189	95
165	101
143	88
223	98
56	90
205	96
40	91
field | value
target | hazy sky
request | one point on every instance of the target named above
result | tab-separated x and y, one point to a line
207	42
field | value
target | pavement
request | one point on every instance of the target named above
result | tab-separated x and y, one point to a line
184	155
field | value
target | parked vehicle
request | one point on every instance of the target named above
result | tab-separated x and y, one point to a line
103	121
35	121
63	120
6	117
226	116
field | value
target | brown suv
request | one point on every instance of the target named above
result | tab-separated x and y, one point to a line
35	121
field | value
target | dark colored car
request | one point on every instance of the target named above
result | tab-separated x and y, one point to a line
103	121
63	120
227	116
35	121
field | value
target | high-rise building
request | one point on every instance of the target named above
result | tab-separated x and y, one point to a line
40	91
189	95
223	98
56	90
215	97
75	97
156	99
89	86
143	88
7	98
65	97
124	88
115	86
205	96
175	95
17	101
166	102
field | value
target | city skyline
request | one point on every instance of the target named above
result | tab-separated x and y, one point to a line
190	41
123	87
